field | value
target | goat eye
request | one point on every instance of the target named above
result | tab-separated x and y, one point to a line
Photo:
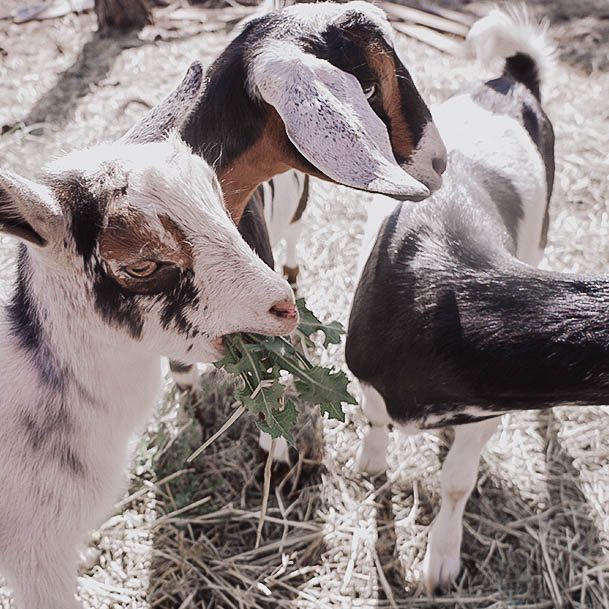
144	268
369	90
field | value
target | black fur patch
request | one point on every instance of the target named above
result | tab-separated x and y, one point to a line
440	330
26	327
253	229
87	212
181	296
343	45
22	314
71	461
523	68
226	121
302	202
179	367
115	304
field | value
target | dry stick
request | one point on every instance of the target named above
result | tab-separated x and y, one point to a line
384	583
186	603
452	15
423	18
266	492
430	37
220	431
186	508
150	487
551	579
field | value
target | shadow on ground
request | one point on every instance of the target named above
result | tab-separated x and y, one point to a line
513	552
205	550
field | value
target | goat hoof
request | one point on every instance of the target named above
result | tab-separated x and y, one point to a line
441	564
371	464
186	377
291	274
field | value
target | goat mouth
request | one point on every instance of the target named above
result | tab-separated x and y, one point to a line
217	344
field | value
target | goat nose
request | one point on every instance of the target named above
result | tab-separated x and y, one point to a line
284	309
439	165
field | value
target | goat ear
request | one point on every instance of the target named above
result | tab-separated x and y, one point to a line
27	210
171	112
329	120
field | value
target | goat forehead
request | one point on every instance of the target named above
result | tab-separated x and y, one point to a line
138	214
162	178
324	14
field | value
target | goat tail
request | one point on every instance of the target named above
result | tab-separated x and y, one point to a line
513	35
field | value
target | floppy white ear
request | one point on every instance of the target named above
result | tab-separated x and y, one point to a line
171	112
329	120
28	210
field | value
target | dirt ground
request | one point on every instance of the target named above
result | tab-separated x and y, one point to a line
537	528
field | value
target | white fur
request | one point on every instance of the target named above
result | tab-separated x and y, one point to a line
281	202
323	14
501	144
281	452
372	454
90	385
442	559
505	32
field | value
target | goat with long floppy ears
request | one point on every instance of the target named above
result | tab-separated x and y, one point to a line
128	254
317	87
451	323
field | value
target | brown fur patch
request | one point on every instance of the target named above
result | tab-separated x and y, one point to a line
257	164
270	155
382	63
128	238
291	273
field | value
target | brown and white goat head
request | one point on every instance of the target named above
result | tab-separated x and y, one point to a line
349	105
135	242
320	88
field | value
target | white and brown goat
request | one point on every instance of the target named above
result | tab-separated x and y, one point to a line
317	87
128	254
451	323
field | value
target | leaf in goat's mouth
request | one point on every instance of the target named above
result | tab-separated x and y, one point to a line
262	361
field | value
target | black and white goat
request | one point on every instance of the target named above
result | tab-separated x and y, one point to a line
451	323
128	254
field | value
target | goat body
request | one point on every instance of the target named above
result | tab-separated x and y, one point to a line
436	299
451	323
289	92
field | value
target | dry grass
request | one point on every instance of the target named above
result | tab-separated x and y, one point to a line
537	529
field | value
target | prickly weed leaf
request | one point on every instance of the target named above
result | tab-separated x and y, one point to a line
309	324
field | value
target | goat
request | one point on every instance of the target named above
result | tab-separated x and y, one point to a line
451	324
128	254
317	87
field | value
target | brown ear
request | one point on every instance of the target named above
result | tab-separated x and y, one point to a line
329	120
171	112
27	210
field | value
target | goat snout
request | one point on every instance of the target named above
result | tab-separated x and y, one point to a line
284	309
428	161
283	316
